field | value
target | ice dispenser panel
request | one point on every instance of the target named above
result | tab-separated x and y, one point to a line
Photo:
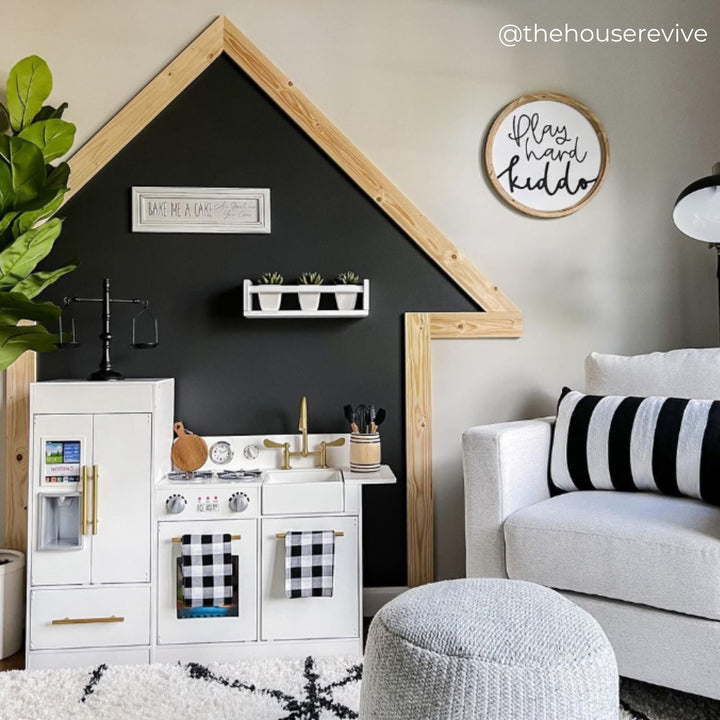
60	517
61	461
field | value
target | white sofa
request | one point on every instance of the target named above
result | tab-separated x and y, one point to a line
647	566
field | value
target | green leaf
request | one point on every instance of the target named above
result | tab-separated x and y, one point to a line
34	284
7	194
28	86
47	203
14	306
53	137
27	166
4	119
14	341
48	112
58	176
5	223
19	259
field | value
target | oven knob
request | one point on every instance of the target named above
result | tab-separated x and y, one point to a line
239	502
175	504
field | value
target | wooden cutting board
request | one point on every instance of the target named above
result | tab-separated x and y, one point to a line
189	452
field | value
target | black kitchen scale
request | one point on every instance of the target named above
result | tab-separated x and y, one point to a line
105	371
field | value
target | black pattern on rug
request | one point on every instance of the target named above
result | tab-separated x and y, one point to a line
95	677
635	714
317	697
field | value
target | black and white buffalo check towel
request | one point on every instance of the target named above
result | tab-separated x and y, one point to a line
309	563
207	570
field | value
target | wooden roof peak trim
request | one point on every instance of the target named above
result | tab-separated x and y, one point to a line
222	36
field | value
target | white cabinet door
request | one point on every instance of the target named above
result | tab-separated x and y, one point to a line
238	621
314	617
122	454
54	565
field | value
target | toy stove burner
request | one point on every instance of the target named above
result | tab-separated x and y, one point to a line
239	475
190	477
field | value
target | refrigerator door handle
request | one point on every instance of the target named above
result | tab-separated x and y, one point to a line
83	509
96	477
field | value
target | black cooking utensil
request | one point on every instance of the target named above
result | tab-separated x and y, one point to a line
361	418
350	417
380	416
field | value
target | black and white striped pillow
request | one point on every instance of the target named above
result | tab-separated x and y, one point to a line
666	445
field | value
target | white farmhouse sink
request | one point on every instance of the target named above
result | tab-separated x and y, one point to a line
310	475
303	492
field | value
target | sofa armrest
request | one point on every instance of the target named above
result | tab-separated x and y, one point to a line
505	468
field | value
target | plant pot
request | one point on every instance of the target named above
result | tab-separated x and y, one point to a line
269	300
346	300
309	300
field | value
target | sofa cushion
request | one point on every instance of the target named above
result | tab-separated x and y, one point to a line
688	373
641	548
613	442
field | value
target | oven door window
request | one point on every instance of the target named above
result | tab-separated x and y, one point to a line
189	613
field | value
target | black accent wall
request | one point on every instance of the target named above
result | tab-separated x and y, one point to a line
234	375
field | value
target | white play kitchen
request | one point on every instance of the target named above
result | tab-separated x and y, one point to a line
141	550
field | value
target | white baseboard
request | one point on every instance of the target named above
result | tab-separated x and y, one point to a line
375	597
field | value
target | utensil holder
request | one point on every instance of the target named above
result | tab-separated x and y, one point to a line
365	452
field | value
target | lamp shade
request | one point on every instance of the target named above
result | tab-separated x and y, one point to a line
697	209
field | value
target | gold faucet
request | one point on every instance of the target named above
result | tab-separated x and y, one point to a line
304	452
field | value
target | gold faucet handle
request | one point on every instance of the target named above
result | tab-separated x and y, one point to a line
272	444
336	443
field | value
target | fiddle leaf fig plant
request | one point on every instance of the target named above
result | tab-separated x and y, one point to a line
32	136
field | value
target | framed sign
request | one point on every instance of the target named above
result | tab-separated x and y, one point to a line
200	210
546	154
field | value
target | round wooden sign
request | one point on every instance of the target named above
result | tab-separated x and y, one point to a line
546	154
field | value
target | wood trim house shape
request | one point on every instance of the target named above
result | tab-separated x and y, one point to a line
497	316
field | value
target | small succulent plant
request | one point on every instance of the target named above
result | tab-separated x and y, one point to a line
310	278
347	278
271	278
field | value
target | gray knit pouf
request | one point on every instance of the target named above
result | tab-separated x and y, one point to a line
491	649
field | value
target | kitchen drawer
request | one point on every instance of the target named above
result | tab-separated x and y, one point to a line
51	659
314	617
104	617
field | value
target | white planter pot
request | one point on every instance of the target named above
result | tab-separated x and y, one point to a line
347	300
309	300
269	301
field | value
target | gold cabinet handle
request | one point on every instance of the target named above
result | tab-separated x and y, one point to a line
88	620
96	477
179	539
83	509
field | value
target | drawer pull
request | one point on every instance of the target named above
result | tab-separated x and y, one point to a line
179	539
338	533
87	621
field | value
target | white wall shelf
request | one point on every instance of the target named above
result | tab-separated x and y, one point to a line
249	310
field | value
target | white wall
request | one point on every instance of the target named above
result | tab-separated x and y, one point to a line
415	84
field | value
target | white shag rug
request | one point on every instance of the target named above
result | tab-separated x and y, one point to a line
310	689
274	689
